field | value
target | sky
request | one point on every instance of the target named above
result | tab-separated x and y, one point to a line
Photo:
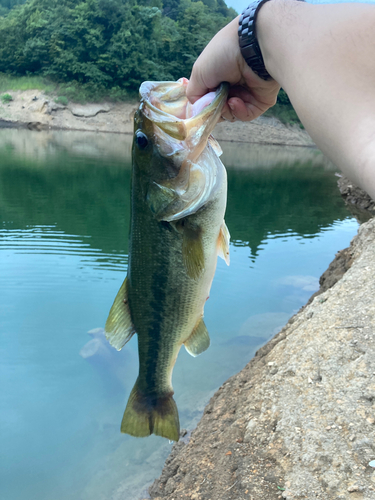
240	5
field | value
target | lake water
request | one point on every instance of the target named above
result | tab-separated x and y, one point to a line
64	213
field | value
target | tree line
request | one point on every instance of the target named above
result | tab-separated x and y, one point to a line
107	44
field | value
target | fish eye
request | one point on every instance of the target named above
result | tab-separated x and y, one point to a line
141	140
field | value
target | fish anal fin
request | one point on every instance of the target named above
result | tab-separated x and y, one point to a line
119	328
149	414
223	243
199	340
192	252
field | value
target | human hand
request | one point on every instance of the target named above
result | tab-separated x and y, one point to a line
221	61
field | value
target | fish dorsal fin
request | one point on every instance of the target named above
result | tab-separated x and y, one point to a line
119	328
199	340
192	250
223	243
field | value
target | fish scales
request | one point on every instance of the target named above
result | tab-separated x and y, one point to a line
177	231
162	286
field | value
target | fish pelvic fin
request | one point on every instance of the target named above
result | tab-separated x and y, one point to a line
119	328
147	414
223	243
199	340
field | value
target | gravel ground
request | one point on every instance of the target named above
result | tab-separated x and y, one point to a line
298	422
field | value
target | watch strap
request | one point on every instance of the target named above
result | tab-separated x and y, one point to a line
249	45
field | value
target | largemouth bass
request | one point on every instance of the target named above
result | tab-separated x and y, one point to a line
178	201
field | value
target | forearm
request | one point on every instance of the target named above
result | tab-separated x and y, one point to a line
323	57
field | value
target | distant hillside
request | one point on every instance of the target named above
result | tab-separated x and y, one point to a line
107	44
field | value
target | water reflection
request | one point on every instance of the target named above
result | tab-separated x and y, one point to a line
64	206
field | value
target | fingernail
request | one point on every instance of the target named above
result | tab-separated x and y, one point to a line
231	106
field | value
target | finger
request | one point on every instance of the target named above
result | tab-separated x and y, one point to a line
227	114
244	111
265	95
196	87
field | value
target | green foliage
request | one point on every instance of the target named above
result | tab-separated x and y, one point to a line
6	98
88	92
283	98
28	82
6	5
107	47
285	114
284	111
62	100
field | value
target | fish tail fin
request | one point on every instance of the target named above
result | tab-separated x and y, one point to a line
147	414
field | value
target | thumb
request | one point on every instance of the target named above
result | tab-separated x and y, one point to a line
196	88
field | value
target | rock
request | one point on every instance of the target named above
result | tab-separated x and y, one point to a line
88	110
307	428
358	201
39	106
37	126
170	486
52	106
353	487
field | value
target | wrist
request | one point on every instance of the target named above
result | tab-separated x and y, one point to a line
277	20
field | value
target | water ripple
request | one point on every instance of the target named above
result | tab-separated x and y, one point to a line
47	240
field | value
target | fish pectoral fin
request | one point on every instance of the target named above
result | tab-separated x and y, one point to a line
223	243
199	340
159	198
146	414
192	252
119	327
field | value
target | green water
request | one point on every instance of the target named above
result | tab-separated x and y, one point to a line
64	213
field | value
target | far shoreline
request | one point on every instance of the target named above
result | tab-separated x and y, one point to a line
34	110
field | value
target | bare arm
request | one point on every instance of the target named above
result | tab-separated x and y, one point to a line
323	57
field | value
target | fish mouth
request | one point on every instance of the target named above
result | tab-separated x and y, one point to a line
182	134
167	106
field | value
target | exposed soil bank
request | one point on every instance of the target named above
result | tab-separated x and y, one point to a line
35	110
299	420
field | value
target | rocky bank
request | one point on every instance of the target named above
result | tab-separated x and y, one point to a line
298	422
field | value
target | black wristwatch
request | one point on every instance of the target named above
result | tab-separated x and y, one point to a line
249	45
